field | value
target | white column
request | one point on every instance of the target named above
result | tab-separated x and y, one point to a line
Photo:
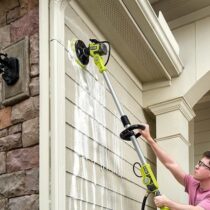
44	106
172	134
57	105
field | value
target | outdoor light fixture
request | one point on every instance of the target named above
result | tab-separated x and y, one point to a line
9	68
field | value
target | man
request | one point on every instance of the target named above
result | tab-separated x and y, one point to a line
197	186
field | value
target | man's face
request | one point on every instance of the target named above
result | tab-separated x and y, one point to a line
202	169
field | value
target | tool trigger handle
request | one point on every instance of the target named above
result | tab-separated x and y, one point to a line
129	131
142	127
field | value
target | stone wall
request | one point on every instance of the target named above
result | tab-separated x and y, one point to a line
19	124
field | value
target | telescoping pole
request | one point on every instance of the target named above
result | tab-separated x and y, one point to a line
148	177
128	134
132	138
97	49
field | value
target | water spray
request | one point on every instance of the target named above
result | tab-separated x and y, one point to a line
97	49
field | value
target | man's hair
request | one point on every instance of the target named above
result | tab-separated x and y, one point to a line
207	155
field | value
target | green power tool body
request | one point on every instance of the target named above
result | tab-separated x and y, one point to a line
97	50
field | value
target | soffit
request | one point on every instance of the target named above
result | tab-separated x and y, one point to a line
173	9
125	25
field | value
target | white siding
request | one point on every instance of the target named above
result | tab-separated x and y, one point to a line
99	164
202	129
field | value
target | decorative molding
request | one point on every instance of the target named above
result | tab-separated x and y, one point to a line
179	136
173	105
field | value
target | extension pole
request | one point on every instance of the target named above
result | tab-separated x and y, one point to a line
132	138
135	144
96	50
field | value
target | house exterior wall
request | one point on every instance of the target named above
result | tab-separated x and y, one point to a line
192	84
85	122
202	129
193	40
19	123
98	163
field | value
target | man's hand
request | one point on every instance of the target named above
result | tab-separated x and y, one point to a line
146	133
161	201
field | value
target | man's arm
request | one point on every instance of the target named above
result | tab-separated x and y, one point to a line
167	161
164	201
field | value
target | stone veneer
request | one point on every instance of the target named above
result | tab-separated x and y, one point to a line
19	124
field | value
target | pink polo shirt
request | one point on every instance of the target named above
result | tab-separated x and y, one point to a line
197	196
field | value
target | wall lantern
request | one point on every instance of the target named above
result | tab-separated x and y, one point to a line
9	68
